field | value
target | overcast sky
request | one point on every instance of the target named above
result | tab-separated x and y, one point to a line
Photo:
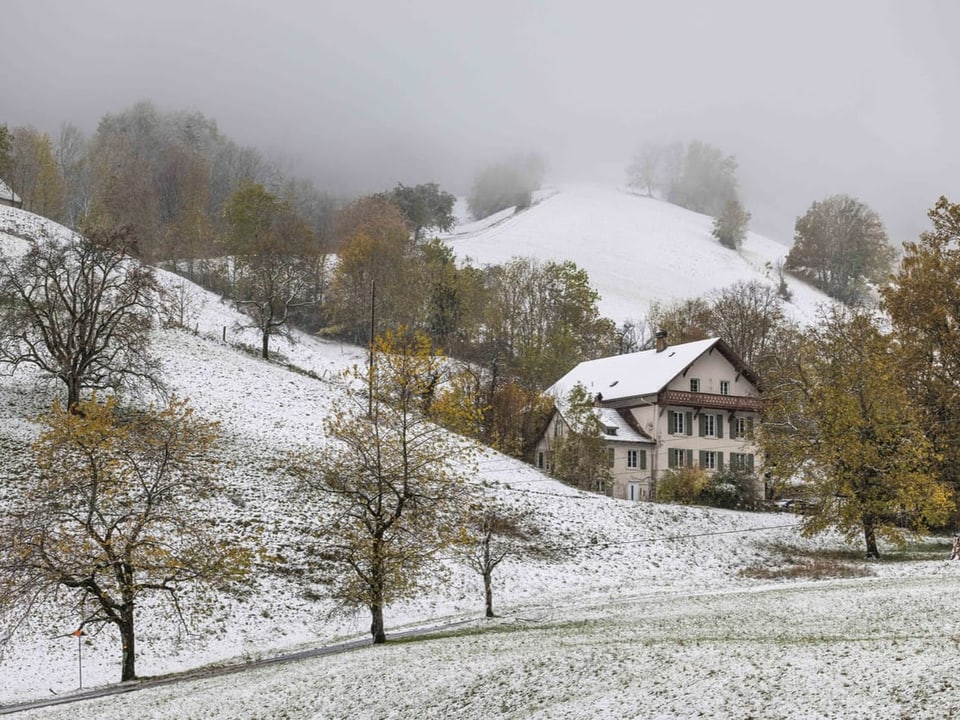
812	97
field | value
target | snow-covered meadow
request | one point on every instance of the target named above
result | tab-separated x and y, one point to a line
653	611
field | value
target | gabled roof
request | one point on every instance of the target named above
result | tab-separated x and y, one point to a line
641	373
7	194
618	428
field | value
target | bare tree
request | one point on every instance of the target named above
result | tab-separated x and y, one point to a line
80	311
493	534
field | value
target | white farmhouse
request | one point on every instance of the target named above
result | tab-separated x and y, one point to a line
689	405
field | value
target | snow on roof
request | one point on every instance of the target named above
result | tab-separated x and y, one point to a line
617	428
7	194
635	374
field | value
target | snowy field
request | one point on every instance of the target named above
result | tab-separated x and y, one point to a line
653	611
865	648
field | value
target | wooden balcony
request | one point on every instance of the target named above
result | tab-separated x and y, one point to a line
710	401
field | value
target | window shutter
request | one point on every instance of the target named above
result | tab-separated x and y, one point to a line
643	459
719	461
703	458
703	424
719	426
689	458
671	458
688	422
749	427
671	422
750	462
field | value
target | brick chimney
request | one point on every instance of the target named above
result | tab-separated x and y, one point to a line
661	340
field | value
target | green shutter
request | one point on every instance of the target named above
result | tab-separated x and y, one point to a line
749	427
688	423
643	459
750	462
703	458
689	462
671	422
703	424
719	461
671	458
719	426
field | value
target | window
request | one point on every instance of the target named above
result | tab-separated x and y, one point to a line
742	427
632	460
709	426
741	461
724	387
694	384
708	460
676	423
677	458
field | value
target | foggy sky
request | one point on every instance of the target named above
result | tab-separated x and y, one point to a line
812	97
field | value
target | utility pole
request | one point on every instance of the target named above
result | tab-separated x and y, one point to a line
373	329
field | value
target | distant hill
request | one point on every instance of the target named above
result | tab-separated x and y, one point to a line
636	250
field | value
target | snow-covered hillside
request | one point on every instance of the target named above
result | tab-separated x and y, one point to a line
636	250
648	600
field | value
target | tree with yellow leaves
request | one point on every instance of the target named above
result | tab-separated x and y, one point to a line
841	419
119	513
392	484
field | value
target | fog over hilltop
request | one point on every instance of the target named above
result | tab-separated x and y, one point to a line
812	98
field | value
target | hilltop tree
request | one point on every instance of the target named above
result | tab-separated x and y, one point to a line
924	307
840	417
391	495
510	183
423	206
840	246
120	513
730	226
80	311
708	180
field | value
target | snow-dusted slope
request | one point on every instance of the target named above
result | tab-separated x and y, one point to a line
636	250
646	604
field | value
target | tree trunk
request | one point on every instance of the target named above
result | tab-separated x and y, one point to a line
488	592
870	536
128	670
265	347
376	625
73	394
